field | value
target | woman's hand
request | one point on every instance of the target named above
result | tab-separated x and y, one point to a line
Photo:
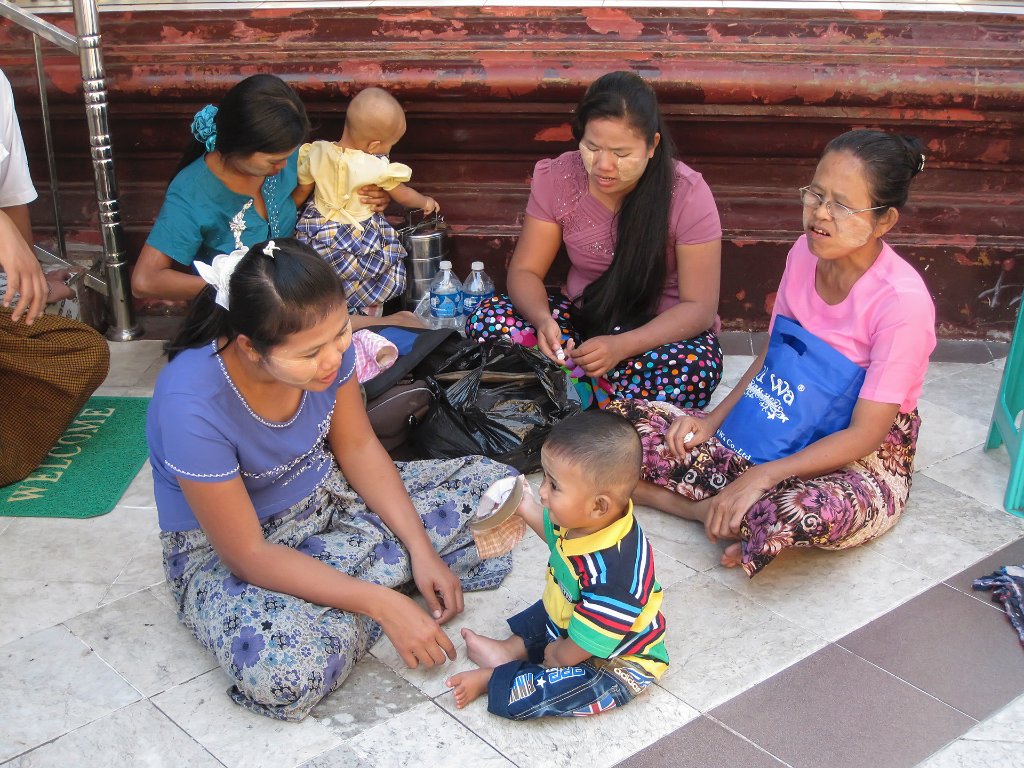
687	432
24	275
726	510
438	585
417	638
57	286
375	197
549	340
598	355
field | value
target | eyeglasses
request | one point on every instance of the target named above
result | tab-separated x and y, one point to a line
837	211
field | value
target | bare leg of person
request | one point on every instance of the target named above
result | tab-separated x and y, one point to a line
733	555
648	494
488	652
469	686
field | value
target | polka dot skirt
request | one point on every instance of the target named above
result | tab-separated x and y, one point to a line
682	372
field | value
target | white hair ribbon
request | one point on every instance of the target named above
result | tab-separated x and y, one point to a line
218	273
269	248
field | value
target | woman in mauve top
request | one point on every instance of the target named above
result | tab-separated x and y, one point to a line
636	315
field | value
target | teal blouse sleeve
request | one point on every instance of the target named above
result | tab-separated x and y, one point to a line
195	221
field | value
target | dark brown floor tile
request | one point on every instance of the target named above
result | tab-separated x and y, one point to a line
961	351
835	709
950	646
999	349
1011	554
701	743
735	342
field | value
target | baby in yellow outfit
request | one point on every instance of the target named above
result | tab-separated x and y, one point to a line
358	242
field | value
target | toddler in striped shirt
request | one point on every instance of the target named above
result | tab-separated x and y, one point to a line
596	639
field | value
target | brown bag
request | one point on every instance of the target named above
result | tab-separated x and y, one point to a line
398	399
394	413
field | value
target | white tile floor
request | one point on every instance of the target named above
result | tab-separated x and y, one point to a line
96	671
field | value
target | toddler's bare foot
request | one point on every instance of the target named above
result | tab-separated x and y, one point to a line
733	555
468	686
488	652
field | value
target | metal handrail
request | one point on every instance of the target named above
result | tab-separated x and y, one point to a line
87	44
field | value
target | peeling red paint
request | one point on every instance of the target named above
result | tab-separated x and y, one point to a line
752	94
998	152
613	21
403	18
868	15
559	133
175	36
65	79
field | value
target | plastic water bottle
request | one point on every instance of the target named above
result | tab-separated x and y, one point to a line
479	287
446	299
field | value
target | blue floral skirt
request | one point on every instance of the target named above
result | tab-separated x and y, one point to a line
285	654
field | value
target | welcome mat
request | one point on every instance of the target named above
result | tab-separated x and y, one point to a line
87	471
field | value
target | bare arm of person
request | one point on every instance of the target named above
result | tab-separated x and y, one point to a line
301	193
869	425
688	431
24	275
535	252
229	521
155	277
530	509
699	268
373	475
375	197
564	653
405	195
404	318
22	220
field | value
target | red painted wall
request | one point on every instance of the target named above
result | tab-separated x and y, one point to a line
752	97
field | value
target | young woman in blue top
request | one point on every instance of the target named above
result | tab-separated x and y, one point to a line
285	524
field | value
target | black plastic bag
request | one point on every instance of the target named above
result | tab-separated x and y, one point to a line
496	399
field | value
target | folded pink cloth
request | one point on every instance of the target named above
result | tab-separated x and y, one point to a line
374	354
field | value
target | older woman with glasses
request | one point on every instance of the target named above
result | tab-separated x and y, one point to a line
286	527
746	470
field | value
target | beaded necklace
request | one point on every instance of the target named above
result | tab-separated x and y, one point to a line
260	419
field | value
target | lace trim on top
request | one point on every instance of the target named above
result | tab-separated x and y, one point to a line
260	419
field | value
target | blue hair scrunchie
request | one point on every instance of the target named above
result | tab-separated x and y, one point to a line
204	128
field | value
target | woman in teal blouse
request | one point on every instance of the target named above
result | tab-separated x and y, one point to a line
234	186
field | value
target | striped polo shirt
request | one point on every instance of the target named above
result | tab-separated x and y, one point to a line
602	594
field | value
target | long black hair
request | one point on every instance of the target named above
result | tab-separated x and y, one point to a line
627	294
259	114
890	160
271	296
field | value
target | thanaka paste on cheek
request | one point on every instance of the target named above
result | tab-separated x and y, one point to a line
853	232
588	158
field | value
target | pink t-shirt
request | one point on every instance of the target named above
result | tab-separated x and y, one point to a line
886	324
560	194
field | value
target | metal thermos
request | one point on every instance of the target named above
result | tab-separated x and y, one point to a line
426	245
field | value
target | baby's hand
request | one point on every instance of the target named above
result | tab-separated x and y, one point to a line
528	508
430	205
